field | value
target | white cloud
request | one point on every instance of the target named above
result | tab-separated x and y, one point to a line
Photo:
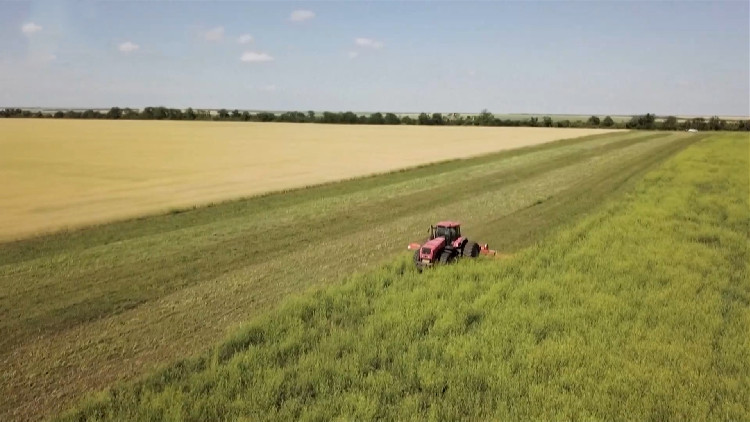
30	28
215	34
472	73
268	88
301	15
245	39
254	57
368	42
353	54
128	47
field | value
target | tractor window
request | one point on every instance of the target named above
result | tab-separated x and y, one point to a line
450	233
426	251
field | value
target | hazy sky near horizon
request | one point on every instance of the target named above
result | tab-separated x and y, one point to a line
684	58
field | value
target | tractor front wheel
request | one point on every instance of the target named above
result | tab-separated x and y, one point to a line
446	257
416	261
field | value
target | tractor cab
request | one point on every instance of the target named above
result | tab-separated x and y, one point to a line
450	230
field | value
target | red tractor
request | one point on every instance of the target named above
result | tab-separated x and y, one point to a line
445	245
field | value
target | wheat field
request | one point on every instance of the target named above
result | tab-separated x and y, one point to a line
63	174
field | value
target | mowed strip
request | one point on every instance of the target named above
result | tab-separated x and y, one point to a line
83	309
59	174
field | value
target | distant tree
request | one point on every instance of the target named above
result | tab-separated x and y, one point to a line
670	123
608	122
424	119
547	121
437	119
223	114
329	117
293	117
288	117
715	123
593	121
310	116
645	121
632	123
175	114
578	123
349	118
90	114
189	114
59	115
245	116
533	121
114	113
485	118
266	117
376	119
457	119
129	113
698	123
235	114
202	115
496	121
392	119
406	120
563	123
152	113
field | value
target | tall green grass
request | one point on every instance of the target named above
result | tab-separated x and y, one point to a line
639	312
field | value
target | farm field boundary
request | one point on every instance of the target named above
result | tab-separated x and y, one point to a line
84	309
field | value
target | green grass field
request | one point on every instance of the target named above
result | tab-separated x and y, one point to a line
82	310
639	311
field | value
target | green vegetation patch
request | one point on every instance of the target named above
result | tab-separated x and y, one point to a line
638	312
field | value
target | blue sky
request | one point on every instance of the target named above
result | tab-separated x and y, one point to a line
602	57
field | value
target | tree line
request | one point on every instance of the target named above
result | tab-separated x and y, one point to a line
485	118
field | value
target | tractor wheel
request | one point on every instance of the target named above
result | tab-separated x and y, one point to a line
471	250
416	261
446	257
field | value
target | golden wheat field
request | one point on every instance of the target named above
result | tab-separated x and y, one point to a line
61	174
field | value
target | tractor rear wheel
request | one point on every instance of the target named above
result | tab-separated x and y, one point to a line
470	250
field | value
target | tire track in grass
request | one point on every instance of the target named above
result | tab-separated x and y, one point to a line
514	231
